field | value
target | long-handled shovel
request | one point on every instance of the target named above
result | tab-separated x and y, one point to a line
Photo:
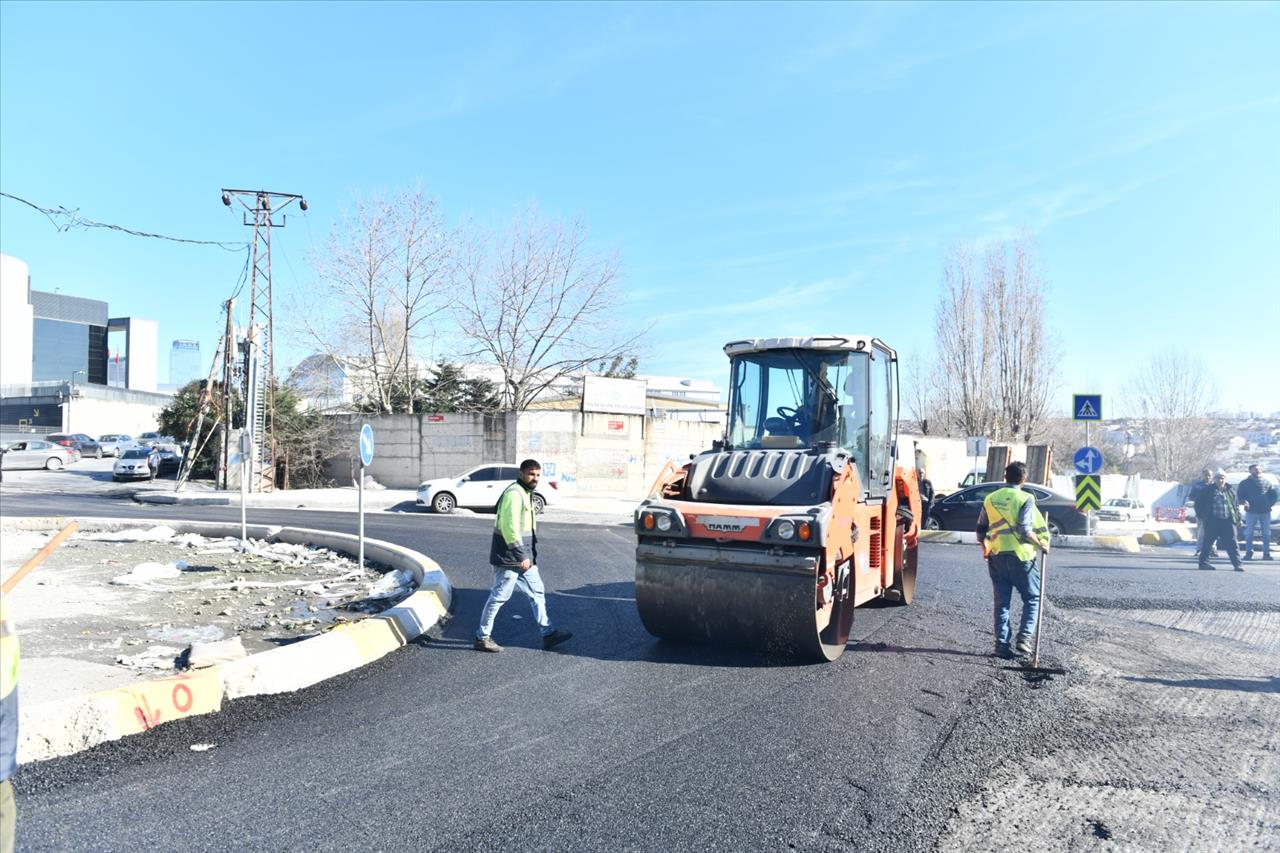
1035	650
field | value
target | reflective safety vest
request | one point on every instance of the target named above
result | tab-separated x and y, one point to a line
8	696
1003	507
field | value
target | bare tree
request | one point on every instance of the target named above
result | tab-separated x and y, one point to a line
1024	361
1173	395
966	392
539	304
996	362
921	396
382	279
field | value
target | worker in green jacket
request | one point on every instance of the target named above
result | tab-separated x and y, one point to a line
1012	531
513	553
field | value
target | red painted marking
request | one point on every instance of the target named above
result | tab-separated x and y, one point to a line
146	716
616	426
178	703
435	419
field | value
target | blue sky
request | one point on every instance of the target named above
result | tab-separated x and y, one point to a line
760	169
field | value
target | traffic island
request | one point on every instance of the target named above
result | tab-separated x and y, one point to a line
87	688
1104	542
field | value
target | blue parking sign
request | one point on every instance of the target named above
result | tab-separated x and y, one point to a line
366	445
1086	407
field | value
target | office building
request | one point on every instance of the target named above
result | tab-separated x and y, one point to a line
184	362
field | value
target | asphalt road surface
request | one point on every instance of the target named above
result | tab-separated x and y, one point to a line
619	741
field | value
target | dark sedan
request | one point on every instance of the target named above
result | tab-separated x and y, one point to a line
84	443
959	510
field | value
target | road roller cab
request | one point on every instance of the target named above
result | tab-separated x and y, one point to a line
799	514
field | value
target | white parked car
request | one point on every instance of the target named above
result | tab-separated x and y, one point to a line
480	488
37	454
113	444
1123	509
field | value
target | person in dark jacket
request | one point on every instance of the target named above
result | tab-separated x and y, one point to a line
1257	496
1217	510
1204	483
513	553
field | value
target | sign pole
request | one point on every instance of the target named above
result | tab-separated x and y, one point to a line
360	512
365	448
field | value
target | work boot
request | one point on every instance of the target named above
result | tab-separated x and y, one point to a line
1267	557
555	638
486	644
1205	567
1023	646
1002	651
1238	567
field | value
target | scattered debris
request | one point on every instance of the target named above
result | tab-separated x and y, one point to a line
143	574
200	655
190	601
202	747
159	533
155	657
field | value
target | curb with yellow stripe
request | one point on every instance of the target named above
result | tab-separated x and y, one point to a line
66	726
1126	544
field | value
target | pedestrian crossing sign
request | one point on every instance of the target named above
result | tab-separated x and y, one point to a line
1086	407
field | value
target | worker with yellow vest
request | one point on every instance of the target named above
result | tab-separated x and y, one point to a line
8	728
1012	531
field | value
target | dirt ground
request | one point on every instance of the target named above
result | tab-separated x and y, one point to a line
1175	742
112	607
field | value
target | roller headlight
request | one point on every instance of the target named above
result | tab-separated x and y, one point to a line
785	529
664	523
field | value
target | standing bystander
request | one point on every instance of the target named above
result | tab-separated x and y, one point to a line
513	553
1011	531
1205	483
1257	496
1218	513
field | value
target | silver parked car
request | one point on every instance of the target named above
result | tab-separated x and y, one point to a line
36	454
113	444
136	462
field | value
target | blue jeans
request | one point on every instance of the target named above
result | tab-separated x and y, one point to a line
1259	519
1007	574
505	581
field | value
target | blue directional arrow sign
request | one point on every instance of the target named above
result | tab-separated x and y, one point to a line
366	445
1086	407
1088	460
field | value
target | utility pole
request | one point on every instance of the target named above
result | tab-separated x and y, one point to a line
259	207
228	350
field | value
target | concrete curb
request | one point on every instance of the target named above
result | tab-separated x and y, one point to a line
1126	544
68	726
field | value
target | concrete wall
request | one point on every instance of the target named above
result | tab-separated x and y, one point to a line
947	463
596	454
411	448
15	308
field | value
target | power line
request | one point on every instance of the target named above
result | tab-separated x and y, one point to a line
73	219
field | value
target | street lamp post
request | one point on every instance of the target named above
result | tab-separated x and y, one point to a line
71	392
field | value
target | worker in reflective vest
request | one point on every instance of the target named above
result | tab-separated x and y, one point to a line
1012	531
8	728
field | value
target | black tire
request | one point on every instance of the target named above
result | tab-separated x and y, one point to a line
539	503
1054	529
932	523
53	463
444	503
98	453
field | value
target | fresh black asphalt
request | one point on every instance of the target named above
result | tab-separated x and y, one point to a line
614	741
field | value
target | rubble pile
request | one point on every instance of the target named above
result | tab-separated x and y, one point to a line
156	600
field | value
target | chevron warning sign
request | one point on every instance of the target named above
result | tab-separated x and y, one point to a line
1088	492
